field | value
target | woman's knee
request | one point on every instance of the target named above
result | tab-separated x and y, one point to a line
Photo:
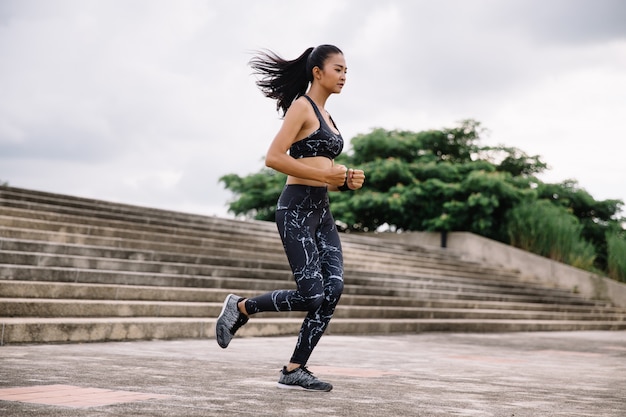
336	288
314	302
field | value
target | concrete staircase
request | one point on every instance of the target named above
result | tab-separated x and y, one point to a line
79	270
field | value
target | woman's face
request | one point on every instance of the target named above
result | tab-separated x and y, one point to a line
333	75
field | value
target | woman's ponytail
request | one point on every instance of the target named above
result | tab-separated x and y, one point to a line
285	81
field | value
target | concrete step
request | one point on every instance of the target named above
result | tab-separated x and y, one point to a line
357	258
29	307
25	273
56	330
36	252
210	243
237	267
122	231
98	211
347	326
258	280
156	243
400	301
218	251
36	201
60	290
75	269
192	255
357	241
89	208
37	307
79	330
142	262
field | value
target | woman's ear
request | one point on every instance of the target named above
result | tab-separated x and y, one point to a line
317	73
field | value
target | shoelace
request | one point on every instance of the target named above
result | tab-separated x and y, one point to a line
306	370
241	320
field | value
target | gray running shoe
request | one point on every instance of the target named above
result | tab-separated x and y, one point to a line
301	378
229	321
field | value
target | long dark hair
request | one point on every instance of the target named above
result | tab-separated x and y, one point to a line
285	81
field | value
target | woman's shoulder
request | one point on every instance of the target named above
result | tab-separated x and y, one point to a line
300	108
301	103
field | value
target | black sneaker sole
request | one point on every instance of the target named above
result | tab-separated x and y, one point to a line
301	388
219	336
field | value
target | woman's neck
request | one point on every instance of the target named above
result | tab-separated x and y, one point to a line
319	97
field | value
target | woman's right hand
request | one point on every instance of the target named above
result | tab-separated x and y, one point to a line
337	175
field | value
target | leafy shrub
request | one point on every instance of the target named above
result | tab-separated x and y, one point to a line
616	256
551	231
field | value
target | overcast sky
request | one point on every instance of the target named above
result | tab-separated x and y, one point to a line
149	102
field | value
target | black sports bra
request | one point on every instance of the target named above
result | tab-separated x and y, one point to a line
322	142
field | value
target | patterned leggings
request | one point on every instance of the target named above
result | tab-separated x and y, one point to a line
312	245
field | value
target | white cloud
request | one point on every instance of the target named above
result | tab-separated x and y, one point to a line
572	121
150	102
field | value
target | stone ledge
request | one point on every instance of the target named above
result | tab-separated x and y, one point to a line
533	268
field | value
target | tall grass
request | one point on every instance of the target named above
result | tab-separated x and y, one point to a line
616	248
551	231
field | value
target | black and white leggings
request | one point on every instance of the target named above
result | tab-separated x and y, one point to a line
312	245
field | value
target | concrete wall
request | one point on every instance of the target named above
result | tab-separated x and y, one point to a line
534	268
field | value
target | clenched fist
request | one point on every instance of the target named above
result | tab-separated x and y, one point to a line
355	178
337	175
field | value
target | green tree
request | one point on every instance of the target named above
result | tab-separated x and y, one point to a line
438	180
257	193
445	180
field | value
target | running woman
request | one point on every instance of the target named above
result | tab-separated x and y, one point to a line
304	149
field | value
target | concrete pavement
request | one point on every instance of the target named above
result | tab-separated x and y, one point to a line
429	374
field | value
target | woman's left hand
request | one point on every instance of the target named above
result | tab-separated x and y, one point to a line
355	179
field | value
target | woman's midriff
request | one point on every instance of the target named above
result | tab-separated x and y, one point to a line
320	162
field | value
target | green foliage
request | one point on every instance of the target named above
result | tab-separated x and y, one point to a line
596	217
616	243
452	145
513	161
549	230
444	180
435	180
257	193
